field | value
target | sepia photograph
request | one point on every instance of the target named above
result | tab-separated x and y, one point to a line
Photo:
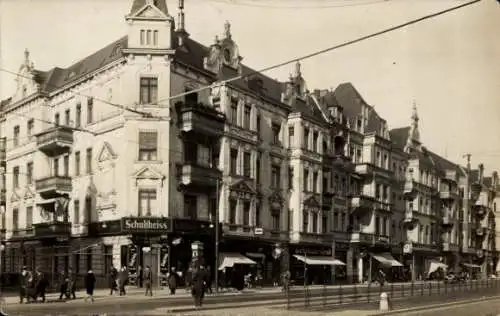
249	157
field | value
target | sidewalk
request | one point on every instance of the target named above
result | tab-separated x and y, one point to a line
134	292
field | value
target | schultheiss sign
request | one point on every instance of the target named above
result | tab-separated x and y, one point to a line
145	224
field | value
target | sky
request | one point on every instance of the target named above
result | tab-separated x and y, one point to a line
449	65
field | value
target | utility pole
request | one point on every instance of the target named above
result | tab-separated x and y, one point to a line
216	227
466	202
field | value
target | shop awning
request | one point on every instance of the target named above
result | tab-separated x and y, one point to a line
320	260
228	260
471	265
435	265
386	259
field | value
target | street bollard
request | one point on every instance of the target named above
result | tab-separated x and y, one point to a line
384	302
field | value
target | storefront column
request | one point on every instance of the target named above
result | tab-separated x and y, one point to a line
333	270
360	269
413	272
349	263
285	259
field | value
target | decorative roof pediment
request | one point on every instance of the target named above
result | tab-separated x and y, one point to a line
91	188
312	201
242	186
148	173
15	196
276	197
149	10
28	194
106	153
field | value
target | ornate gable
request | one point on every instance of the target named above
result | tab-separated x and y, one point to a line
312	202
148	173
28	194
106	153
242	186
15	196
223	52
149	11
276	197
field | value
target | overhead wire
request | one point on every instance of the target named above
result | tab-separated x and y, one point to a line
266	6
251	73
319	52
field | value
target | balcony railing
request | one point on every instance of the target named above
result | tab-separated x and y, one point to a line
447	219
52	229
447	194
53	186
373	239
450	247
55	141
201	119
199	176
362	202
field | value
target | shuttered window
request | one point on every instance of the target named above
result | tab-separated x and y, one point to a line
148	146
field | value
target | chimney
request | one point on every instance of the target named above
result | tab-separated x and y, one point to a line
481	173
181	27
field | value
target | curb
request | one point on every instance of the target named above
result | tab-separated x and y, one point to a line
432	306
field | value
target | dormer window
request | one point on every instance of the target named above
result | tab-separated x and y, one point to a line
148	37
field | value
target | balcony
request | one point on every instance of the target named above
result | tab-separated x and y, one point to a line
200	119
370	239
367	169
451	175
362	203
410	218
450	247
447	194
55	141
410	189
194	175
53	186
447	219
52	230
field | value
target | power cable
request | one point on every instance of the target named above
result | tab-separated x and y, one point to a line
327	6
320	52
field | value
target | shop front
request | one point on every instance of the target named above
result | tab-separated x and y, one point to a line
313	264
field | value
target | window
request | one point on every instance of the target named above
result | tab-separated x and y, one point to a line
377	225
190	206
232	211
57	119
29	217
246	117
155	37
291	133
315	182
147	202
67	118
315	141
306	138
17	131
324	223
246	213
66	165
78	115
276	133
143	37
76	214
234	161
257	168
377	191
306	180
29	173
15	177
77	163
275	176
204	155
148	146
305	221
148	90
325	181
191	98
275	220
358	155
247	164
88	168
90	110
234	113
55	166
15	219
148	37
88	208
30	127
315	222
290	178
258	123
258	222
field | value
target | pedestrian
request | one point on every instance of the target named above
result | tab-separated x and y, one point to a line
112	277
41	284
148	280
24	284
173	280
198	286
63	285
89	286
209	280
381	277
285	280
71	285
123	279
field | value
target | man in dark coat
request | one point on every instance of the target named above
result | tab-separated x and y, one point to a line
63	285
113	276
25	281
148	280
198	285
71	285
41	283
173	281
123	279
89	286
